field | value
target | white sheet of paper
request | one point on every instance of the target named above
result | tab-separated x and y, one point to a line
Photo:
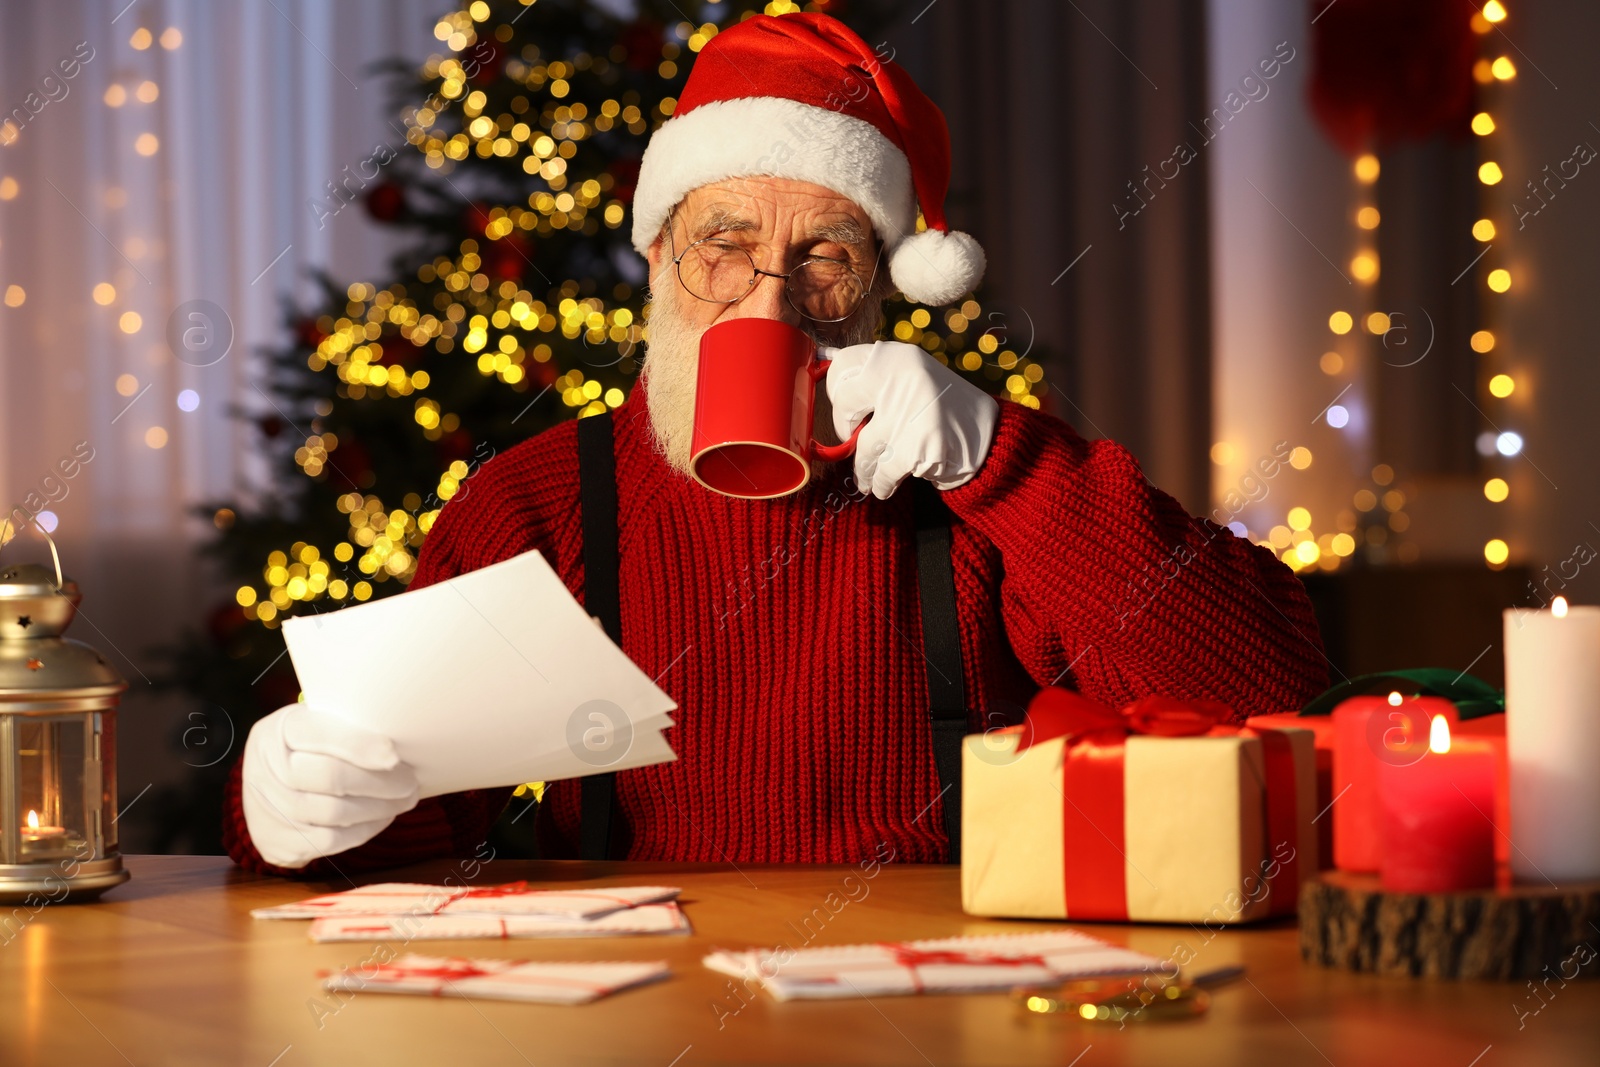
943	965
496	979
665	918
492	678
513	898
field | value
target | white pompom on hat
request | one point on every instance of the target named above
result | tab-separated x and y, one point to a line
802	96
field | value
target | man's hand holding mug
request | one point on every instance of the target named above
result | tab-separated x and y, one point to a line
896	409
927	420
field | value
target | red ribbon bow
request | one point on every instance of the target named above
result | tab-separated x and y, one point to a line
1056	712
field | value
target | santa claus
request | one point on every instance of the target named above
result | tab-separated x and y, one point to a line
827	649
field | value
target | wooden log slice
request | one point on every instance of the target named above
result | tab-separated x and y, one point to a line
1548	933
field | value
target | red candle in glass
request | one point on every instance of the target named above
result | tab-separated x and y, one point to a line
1438	816
1369	732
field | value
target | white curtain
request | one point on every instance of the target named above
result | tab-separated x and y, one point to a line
1282	201
158	154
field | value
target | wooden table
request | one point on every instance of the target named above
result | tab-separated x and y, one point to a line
171	969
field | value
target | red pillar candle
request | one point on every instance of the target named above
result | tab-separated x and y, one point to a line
1370	731
1357	845
1492	729
1438	816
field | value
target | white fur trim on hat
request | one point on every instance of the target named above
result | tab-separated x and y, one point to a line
773	137
934	267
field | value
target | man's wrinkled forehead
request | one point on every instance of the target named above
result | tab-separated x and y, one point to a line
763	206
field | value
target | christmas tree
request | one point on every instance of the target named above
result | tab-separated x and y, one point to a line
520	304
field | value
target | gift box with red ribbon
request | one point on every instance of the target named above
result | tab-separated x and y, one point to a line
1156	812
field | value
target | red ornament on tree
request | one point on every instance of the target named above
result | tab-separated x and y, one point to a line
1384	72
642	41
224	622
484	61
475	217
542	374
352	463
453	446
625	176
387	201
306	332
508	257
405	355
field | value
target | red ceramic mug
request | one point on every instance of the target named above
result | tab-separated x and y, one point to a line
754	403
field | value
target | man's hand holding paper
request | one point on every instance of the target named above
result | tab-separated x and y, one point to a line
493	678
316	784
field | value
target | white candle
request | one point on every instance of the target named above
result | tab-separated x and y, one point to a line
1553	742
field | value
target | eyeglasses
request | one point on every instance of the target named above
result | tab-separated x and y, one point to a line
721	272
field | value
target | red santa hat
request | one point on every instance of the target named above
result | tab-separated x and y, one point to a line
801	96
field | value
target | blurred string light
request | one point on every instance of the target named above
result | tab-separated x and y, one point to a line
1494	445
1377	510
506	329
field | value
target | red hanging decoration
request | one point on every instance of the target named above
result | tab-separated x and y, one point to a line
351	465
642	41
484	61
508	257
1384	72
387	201
541	374
224	621
625	177
475	217
454	446
307	333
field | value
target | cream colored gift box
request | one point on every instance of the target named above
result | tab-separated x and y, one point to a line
1195	829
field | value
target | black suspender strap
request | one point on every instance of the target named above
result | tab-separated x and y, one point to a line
597	496
941	649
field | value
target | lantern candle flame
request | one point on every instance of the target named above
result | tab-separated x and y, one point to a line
1558	607
33	819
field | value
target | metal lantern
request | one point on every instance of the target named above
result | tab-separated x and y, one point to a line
58	754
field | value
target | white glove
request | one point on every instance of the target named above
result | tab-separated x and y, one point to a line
315	785
927	420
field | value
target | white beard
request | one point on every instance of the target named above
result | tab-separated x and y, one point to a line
672	367
671	371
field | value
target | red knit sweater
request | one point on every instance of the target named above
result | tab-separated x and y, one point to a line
789	633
